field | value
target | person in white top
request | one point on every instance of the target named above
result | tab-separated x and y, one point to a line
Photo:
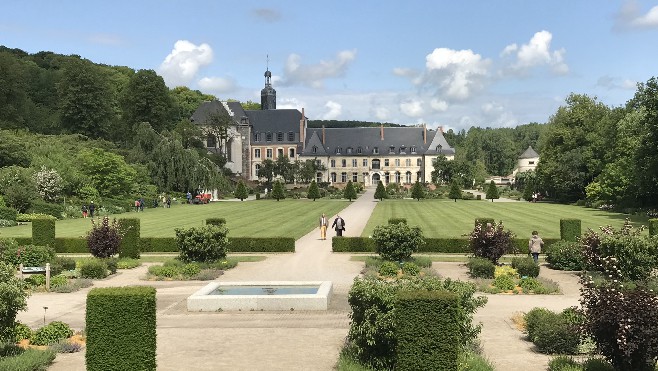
323	227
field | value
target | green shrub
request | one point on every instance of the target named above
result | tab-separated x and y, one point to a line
560	362
206	244
51	333
163	271
397	242
422	347
128	263
71	245
111	264
73	285
525	267
94	269
28	360
158	244
470	361
7	213
504	282
61	264
484	221
570	229
530	284
58	281
261	244
43	232
121	328
481	268
534	319
42	207
551	332
190	270
653	226
491	241
636	256
216	221
564	255
31	217
22	332
397	220
36	280
389	269
130	241
104	238
29	255
410	269
597	364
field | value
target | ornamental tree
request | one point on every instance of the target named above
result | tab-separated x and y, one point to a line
241	191
104	238
492	192
417	191
313	191
277	192
380	192
455	190
490	241
349	192
397	241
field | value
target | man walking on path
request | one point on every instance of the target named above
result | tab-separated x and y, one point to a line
324	223
338	226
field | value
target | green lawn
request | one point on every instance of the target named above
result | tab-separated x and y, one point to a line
445	218
264	218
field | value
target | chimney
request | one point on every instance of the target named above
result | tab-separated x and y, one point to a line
381	131
301	130
441	129
424	133
322	134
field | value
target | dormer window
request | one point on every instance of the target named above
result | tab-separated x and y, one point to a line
413	149
315	149
375	150
439	148
391	149
291	136
279	137
338	150
403	149
268	137
359	150
257	137
349	150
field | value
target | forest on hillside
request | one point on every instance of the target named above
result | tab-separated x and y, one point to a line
68	121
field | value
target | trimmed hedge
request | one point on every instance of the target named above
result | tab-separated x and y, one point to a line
423	347
43	232
484	221
215	221
653	227
264	244
7	213
130	229
570	229
431	245
121	328
158	244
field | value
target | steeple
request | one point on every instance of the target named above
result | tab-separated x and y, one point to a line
268	94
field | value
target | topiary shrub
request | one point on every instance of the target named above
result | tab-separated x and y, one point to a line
564	255
205	244
552	332
121	328
525	267
396	242
51	333
570	229
388	269
481	268
491	241
43	232
130	238
94	269
104	239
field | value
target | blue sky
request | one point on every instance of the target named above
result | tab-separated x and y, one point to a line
454	64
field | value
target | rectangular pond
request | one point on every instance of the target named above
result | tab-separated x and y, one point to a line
261	295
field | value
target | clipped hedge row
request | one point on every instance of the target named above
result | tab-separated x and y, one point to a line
432	245
121	328
43	232
158	244
130	242
265	244
570	229
423	347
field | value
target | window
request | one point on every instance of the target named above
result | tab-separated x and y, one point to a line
343	177
291	152
333	177
359	150
354	163
333	163
318	163
279	137
375	150
403	149
257	153
531	162
391	149
257	169
279	152
408	162
315	149
397	177
439	148
375	164
419	162
397	162
291	136
343	162
257	137
408	177
413	149
338	150
355	177
211	141
268	137
365	162
386	162
269	153
349	150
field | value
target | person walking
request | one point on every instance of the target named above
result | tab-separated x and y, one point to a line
92	208
535	244
84	211
338	225
324	223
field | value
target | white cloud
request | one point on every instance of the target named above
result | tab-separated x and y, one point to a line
610	83
381	113
333	111
630	17
217	84
439	105
405	72
313	75
412	108
458	73
182	64
291	103
537	52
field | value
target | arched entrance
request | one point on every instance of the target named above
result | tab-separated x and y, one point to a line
375	178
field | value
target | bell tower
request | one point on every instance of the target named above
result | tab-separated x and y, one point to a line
268	94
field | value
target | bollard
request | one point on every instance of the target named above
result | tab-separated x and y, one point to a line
47	276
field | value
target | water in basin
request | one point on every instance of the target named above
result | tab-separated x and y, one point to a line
266	290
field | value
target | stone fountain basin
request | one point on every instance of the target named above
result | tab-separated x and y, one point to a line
264	296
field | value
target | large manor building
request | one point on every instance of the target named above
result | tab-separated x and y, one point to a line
366	155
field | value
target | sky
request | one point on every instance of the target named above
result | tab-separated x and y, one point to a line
455	64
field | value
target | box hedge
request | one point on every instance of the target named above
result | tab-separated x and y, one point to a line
43	232
121	328
130	229
570	229
427	330
431	245
264	244
158	244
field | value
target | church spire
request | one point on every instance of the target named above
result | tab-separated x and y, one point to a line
268	94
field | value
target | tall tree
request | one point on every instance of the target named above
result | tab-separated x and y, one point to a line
417	191
277	192
187	101
147	99
266	170
492	192
313	191
646	156
13	97
455	190
86	100
241	191
285	169
380	192
349	192
107	172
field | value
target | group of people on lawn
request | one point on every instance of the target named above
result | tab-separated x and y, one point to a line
338	225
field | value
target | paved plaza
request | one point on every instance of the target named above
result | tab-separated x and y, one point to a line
299	340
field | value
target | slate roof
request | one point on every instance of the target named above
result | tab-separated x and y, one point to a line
274	120
206	109
529	153
370	138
